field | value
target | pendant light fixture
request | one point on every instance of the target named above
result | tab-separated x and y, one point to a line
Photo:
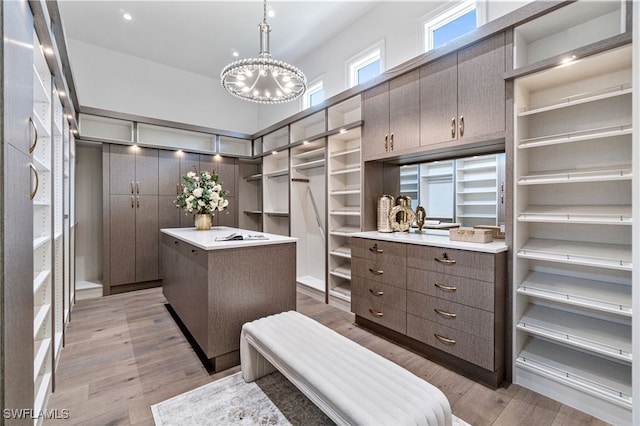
263	79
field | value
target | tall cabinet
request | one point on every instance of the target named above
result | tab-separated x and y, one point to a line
573	234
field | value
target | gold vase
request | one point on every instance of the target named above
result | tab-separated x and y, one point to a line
203	222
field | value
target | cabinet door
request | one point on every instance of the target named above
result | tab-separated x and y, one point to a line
404	112
438	101
122	248
169	173
122	169
168	213
189	163
147	171
229	216
481	88
147	235
375	112
227	169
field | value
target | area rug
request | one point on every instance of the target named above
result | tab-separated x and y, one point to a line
270	400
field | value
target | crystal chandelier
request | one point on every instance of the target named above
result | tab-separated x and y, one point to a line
263	79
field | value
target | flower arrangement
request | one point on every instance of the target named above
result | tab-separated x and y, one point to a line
201	194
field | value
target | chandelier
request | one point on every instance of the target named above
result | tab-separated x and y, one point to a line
263	79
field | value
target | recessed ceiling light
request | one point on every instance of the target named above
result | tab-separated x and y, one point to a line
127	16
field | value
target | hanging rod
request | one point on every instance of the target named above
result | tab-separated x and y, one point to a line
299	180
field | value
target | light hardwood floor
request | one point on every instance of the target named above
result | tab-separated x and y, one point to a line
124	353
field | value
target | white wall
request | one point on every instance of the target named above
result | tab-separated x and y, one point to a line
114	81
89	213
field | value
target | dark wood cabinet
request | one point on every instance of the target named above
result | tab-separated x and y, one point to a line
462	96
391	115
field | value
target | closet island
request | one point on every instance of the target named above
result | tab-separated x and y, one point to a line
215	285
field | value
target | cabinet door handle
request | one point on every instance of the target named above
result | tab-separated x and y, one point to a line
445	260
445	314
445	339
35	136
445	287
386	143
132	191
196	252
453	127
376	313
132	201
376	292
376	272
138	202
461	126
391	143
375	249
33	193
137	187
176	243
177	189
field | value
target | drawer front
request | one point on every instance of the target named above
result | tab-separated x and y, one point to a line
388	269
374	249
461	263
394	319
460	317
194	254
478	294
379	295
455	342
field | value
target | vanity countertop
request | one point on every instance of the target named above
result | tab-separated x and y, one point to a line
206	240
427	239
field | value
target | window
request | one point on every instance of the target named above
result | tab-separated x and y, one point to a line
314	94
365	66
450	24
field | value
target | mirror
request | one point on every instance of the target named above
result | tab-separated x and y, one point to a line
466	191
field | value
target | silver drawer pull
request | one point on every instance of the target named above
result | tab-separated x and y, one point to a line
375	249
445	287
445	314
445	339
376	313
375	292
377	272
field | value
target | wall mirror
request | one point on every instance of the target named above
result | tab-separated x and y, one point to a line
467	191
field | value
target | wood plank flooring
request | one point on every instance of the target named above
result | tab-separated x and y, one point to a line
124	353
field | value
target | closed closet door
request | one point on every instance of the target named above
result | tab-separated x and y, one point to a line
123	238
146	236
122	169
146	171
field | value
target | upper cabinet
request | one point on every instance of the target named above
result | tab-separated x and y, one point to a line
391	113
462	96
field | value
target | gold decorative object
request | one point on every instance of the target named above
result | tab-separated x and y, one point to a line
385	203
421	216
203	222
403	200
406	216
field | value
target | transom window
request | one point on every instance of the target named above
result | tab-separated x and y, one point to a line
365	66
450	24
314	94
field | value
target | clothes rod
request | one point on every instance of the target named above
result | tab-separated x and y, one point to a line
299	180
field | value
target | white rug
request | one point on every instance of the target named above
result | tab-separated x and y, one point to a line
271	400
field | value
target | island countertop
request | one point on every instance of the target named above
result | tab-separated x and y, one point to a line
206	240
425	239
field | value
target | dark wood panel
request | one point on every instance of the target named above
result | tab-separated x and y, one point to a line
404	112
388	269
462	263
146	238
392	318
375	113
122	169
379	295
146	171
168	213
189	163
439	101
169	173
229	216
374	249
122	250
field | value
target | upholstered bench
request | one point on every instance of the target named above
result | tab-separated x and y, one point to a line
349	383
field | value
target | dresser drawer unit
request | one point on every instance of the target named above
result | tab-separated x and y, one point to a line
461	263
372	249
479	294
464	318
391	318
380	295
390	270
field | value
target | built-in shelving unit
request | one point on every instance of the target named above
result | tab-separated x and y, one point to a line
572	233
410	184
43	244
437	189
344	197
275	182
58	224
477	188
250	201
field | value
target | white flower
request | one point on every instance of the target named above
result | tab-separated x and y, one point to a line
197	192
206	175
190	198
226	203
217	188
185	190
196	179
215	197
191	175
201	203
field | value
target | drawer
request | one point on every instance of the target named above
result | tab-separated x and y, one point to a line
394	319
389	270
461	263
374	249
478	294
468	347
454	315
379	295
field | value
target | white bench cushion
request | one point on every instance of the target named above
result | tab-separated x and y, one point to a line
351	384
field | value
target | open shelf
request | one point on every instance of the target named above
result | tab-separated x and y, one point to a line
347	190
596	335
583	135
344	152
589	214
311	154
342	272
345	230
255	177
349	169
252	211
277	213
585	293
342	251
346	211
41	350
595	174
312	282
310	165
612	256
341	292
40	241
577	99
39	280
277	173
609	380
40	318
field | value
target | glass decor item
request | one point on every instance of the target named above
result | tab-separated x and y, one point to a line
263	79
385	203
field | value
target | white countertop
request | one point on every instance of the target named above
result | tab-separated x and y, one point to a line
425	239
206	240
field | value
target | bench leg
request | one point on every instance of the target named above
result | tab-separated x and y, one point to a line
253	364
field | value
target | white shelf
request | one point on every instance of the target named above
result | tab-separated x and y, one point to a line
346	211
349	169
346	191
44	131
478	215
577	99
342	272
277	173
41	351
313	153
39	165
277	213
484	190
580	331
40	318
612	256
256	177
40	93
342	153
448	174
345	231
310	164
40	241
40	203
594	375
312	282
42	393
342	251
590	214
596	174
583	135
341	292
39	280
491	203
596	295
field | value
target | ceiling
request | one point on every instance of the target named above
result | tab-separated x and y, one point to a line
200	36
